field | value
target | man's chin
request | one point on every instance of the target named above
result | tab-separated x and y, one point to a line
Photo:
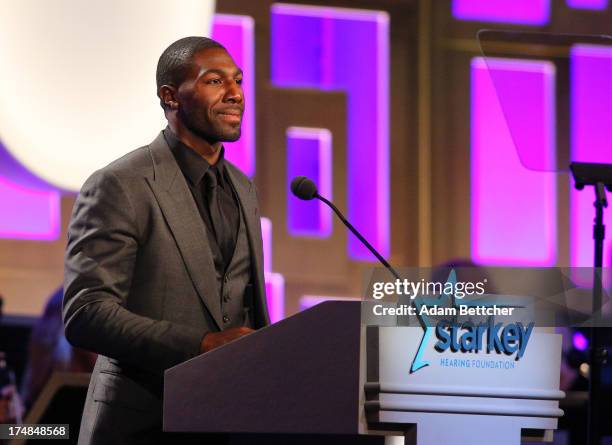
231	137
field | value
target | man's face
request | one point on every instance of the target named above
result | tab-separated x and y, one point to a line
211	101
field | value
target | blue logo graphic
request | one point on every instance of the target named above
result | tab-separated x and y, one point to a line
467	336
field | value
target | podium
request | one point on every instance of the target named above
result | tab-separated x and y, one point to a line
323	372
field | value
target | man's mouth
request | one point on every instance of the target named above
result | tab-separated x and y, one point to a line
231	116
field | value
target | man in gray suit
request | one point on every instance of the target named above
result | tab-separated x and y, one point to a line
164	258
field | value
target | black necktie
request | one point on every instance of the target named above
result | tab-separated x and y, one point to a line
218	219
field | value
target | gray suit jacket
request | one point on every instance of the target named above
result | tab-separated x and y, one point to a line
140	287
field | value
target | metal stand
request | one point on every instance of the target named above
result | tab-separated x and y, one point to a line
599	176
596	352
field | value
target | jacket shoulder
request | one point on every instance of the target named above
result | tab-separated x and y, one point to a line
239	175
133	163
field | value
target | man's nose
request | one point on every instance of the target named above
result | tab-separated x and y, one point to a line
234	93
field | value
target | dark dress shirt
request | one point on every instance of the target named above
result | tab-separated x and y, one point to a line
194	167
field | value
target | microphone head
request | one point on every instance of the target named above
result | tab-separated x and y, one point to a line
303	188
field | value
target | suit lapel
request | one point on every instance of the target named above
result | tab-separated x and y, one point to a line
248	203
189	231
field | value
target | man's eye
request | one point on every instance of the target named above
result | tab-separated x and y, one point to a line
239	81
213	81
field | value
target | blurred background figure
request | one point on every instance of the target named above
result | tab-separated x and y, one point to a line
11	408
50	352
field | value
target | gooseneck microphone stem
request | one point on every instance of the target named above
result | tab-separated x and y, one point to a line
358	235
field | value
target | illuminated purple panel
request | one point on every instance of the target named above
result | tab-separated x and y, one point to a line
275	290
309	153
30	206
588	4
235	32
513	209
591	141
308	301
275	283
266	237
526	12
28	213
345	49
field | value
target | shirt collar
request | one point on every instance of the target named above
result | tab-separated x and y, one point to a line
192	165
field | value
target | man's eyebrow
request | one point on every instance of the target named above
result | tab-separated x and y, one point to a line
237	72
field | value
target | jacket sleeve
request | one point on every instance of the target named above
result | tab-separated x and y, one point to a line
99	263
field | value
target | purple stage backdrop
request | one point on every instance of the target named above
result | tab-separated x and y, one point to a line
326	48
591	140
524	12
309	153
235	32
513	209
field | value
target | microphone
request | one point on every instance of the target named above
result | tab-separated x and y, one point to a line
303	188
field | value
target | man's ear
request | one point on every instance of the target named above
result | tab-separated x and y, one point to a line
167	95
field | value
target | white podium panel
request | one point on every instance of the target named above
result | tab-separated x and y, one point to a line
464	397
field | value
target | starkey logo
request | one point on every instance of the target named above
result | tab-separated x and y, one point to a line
468	337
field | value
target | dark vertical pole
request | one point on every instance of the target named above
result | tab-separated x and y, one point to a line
599	234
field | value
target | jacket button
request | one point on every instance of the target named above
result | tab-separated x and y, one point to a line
225	278
225	319
226	298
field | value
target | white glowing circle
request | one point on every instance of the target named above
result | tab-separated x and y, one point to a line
78	79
